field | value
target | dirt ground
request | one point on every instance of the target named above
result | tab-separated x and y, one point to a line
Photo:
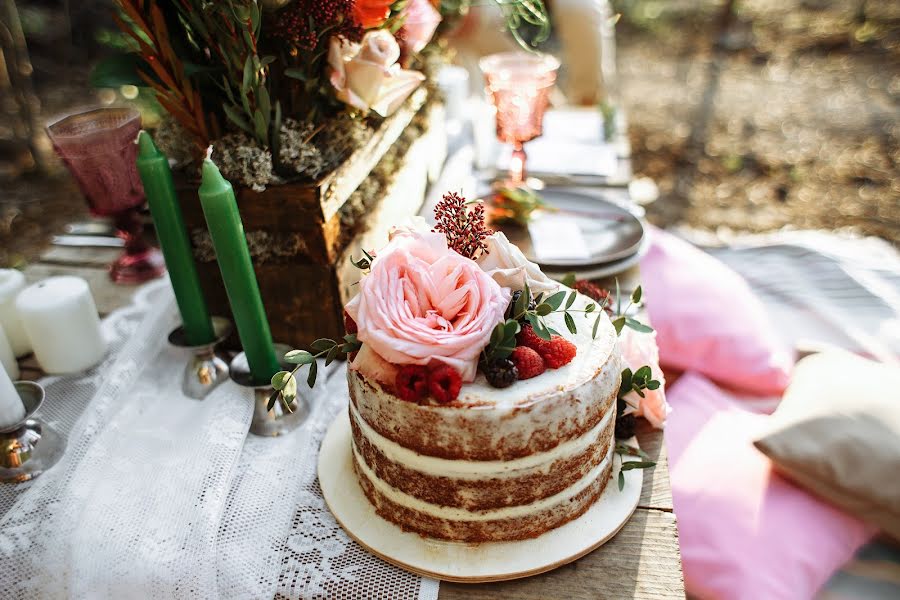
776	113
784	114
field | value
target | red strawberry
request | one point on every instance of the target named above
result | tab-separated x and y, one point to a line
528	338
528	362
444	383
412	382
558	352
349	324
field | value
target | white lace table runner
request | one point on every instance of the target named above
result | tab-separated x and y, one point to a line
162	496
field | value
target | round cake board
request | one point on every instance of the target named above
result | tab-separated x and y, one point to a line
461	562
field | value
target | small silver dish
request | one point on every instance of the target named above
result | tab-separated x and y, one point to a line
205	370
279	420
29	447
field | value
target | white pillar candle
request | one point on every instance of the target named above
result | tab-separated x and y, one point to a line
12	410
11	283
10	366
60	318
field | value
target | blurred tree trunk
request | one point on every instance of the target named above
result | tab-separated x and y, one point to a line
18	101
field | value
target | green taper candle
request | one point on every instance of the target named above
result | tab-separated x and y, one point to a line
159	188
227	233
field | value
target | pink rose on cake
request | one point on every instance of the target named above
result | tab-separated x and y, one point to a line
639	349
423	302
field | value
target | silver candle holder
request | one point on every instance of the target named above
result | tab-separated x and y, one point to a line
29	447
205	370
279	420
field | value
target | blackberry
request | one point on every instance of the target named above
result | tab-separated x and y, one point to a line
501	372
626	426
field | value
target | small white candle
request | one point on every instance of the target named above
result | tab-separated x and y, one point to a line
60	318
10	366
11	283
12	410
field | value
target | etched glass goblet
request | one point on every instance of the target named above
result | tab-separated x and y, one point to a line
519	85
98	147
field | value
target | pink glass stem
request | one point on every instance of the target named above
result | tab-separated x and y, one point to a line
517	164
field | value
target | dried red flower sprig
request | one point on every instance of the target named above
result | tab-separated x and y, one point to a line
307	24
465	229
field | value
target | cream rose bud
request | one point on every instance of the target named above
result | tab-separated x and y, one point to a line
380	47
639	349
423	302
367	76
506	264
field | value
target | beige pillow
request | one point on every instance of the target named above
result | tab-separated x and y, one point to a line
837	434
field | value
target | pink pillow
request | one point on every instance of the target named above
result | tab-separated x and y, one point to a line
744	531
708	319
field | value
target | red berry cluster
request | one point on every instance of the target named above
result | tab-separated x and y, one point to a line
304	23
464	229
596	293
416	382
533	355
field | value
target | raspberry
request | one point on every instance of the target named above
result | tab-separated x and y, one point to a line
596	293
558	352
349	324
412	382
528	338
528	362
626	426
501	372
444	383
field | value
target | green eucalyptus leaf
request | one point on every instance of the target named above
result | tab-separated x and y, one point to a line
332	354
621	481
322	344
299	357
290	390
619	324
571	299
636	295
636	464
555	300
568	280
590	308
280	379
643	373
570	323
543	310
596	326
313	371
653	385
637	325
273	398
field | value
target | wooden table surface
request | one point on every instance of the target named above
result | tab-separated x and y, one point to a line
642	561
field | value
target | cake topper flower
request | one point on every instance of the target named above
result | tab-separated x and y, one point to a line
423	302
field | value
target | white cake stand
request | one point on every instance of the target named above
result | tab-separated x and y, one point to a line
454	561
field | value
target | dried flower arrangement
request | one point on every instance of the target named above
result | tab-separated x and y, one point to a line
268	80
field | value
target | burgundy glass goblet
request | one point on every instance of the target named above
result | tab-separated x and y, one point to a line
98	147
519	85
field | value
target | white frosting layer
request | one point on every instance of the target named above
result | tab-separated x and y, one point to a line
461	514
478	469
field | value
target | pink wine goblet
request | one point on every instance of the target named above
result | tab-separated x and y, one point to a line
98	147
519	85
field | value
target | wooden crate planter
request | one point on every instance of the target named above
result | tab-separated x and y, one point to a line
302	235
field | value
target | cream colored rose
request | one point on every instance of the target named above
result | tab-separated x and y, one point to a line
366	75
506	264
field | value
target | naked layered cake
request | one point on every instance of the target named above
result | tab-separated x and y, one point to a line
483	394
